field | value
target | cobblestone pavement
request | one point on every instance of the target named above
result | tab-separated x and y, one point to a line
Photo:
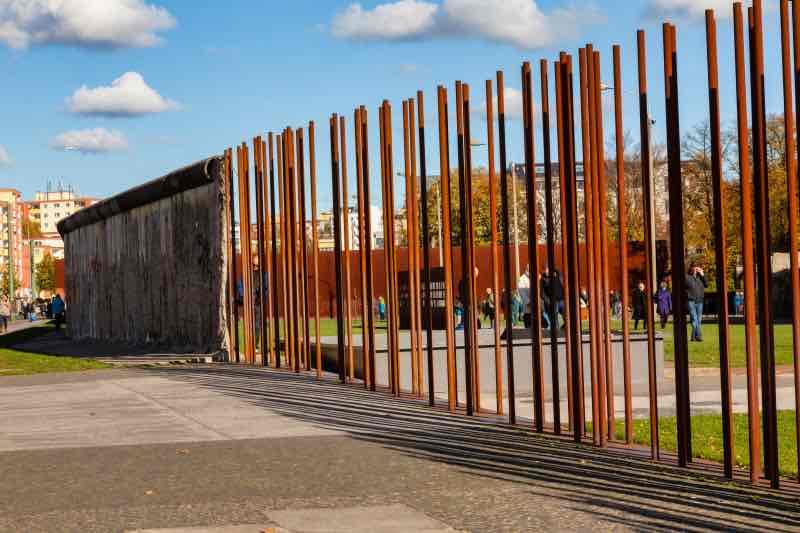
331	447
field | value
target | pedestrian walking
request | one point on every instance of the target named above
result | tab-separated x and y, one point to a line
544	298
516	307
695	294
639	302
663	303
59	311
738	302
524	290
489	307
616	304
5	314
381	308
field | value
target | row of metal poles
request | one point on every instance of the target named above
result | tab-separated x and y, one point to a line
286	282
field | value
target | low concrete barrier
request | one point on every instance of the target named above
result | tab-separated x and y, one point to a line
523	373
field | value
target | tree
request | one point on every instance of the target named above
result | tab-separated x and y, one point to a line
482	218
45	273
31	229
4	285
634	203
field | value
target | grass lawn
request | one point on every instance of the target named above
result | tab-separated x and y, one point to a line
707	438
706	353
15	363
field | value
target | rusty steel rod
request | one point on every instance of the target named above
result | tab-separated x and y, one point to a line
230	214
258	162
622	239
792	190
299	228
763	244
412	311
247	255
498	361
365	188
677	245
647	200
273	274
718	186
562	177
284	258
446	244
295	303
351	372
607	385
266	276
395	294
568	85
585	61
389	244
563	219
533	249
552	309
474	355
337	245
570	211
596	299
363	236
504	217
301	170
312	164
426	245
416	294
748	247
466	285
286	251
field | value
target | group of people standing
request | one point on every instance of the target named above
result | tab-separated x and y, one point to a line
696	285
551	293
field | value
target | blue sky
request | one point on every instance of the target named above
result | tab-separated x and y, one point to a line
227	71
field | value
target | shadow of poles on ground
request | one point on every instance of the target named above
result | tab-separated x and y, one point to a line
602	481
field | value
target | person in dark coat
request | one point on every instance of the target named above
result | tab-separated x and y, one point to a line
695	294
663	303
639	303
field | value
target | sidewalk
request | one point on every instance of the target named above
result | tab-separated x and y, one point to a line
223	446
20	324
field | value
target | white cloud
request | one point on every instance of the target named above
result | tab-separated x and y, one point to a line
690	9
88	23
520	23
512	99
5	159
91	141
128	96
404	19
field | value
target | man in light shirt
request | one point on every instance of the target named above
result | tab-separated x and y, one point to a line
524	290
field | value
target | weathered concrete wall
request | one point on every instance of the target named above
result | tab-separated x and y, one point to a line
147	266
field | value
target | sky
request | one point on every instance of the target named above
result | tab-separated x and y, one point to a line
106	94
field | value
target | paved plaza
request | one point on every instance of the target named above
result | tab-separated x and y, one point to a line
217	448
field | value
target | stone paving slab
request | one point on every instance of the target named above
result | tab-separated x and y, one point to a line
143	410
360	449
373	519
